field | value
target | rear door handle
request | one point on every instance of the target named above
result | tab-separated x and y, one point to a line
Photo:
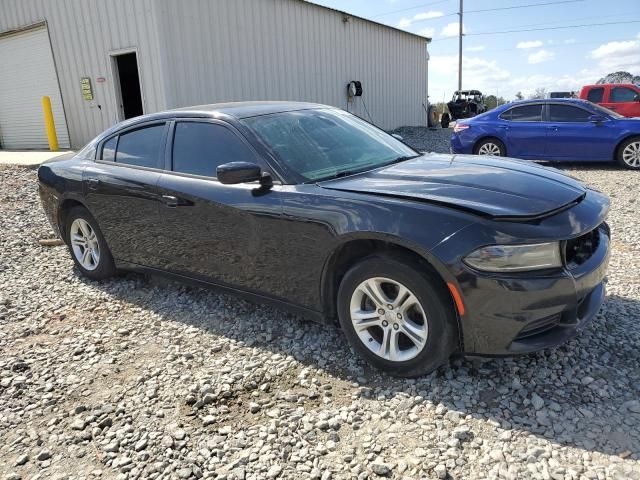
553	127
170	201
506	127
93	183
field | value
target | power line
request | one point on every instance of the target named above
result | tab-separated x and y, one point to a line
409	8
523	6
528	5
539	29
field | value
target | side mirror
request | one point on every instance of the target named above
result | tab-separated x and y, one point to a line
399	137
238	172
597	118
637	97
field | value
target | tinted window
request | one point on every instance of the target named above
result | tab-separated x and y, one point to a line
324	143
198	148
142	147
526	113
595	95
622	94
567	113
109	149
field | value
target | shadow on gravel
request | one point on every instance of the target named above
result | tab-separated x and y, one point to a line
583	394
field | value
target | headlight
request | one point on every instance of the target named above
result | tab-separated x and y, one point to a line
515	258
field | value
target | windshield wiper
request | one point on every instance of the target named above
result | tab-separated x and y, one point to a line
402	159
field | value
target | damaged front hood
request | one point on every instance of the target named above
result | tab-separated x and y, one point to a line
489	186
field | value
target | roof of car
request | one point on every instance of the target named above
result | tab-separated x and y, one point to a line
232	109
576	101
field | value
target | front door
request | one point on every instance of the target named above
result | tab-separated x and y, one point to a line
121	192
572	136
215	232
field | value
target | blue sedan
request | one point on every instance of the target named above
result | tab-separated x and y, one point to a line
555	130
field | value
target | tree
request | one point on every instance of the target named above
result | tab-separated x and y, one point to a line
492	101
519	96
539	93
620	77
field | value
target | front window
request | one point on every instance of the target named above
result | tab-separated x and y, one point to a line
326	143
567	113
623	94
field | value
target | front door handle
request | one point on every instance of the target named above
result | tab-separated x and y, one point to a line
93	183
553	127
170	201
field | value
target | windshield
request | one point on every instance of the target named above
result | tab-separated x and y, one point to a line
606	111
326	143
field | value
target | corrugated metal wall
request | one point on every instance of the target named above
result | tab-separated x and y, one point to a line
82	33
205	51
290	50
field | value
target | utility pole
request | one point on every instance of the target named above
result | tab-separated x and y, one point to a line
460	50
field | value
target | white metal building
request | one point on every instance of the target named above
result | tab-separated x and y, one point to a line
102	61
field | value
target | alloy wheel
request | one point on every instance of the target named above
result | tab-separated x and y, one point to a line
389	319
631	154
84	244
489	149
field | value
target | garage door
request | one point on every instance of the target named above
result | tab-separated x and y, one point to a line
27	73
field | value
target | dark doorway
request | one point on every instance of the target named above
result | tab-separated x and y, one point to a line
129	80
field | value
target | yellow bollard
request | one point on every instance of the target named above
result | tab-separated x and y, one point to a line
49	124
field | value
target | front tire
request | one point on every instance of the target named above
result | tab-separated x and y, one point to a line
399	318
445	120
87	245
490	146
629	153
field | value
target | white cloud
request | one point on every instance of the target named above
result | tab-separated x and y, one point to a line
477	48
405	22
530	44
540	56
428	15
452	29
618	55
427	32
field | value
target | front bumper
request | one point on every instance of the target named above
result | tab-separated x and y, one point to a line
523	313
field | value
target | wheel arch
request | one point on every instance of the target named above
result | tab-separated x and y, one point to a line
352	250
63	210
489	137
616	150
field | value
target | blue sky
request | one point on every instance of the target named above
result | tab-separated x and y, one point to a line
560	59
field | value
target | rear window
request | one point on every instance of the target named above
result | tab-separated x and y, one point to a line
141	147
525	113
595	95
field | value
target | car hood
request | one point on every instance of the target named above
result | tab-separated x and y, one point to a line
489	186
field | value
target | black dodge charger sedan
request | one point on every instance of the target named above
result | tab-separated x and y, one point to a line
417	256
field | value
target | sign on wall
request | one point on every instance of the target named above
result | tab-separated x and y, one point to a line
87	91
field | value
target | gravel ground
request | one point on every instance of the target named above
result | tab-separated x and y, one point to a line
135	378
425	139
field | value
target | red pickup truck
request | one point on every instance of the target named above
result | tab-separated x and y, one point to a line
623	98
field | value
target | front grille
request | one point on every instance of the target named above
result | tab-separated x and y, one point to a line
539	326
579	250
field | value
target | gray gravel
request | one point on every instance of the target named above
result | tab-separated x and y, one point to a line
135	378
426	139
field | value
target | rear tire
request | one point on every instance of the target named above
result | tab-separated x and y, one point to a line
399	318
445	120
628	154
490	146
432	117
87	245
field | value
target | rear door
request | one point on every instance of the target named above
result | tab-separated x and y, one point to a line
221	233
121	191
524	131
571	136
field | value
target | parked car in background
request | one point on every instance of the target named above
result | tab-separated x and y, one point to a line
560	95
463	104
418	256
554	130
623	98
